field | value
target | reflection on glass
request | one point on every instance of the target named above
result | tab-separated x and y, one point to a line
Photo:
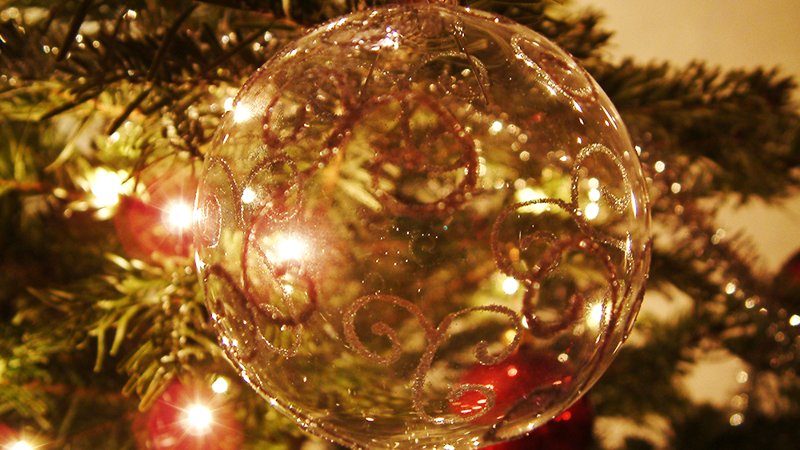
290	249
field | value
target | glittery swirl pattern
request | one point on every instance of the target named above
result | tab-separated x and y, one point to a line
560	73
436	337
587	240
617	204
260	290
408	155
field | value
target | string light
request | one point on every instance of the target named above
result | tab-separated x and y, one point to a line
510	286
529	194
592	211
220	386
180	216
106	186
199	417
248	196
290	248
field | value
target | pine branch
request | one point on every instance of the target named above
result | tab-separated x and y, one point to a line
741	125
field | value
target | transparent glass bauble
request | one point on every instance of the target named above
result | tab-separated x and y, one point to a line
422	227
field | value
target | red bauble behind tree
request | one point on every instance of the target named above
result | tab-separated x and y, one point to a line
190	417
520	375
571	430
157	222
12	439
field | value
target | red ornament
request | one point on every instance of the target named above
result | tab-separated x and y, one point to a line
511	380
790	272
572	430
11	438
191	417
159	220
787	284
7	436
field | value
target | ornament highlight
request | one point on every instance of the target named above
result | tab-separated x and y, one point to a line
408	203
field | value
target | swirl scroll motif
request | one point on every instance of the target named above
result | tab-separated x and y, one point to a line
472	88
323	95
410	159
270	212
435	337
617	204
587	241
560	72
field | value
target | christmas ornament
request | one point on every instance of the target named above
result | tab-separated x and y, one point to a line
787	287
571	430
411	194
158	221
12	439
190	417
510	381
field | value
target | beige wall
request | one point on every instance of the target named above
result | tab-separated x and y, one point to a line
729	33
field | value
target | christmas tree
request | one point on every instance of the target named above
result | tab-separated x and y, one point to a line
108	112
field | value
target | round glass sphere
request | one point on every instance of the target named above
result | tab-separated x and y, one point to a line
408	204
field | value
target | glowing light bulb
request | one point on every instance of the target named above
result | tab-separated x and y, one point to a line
21	445
592	211
248	195
290	248
180	216
529	194
510	286
220	386
199	417
106	187
241	113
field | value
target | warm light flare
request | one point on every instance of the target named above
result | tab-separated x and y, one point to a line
21	445
248	196
592	211
510	286
106	186
179	215
199	417
241	113
595	317
529	194
220	386
290	248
